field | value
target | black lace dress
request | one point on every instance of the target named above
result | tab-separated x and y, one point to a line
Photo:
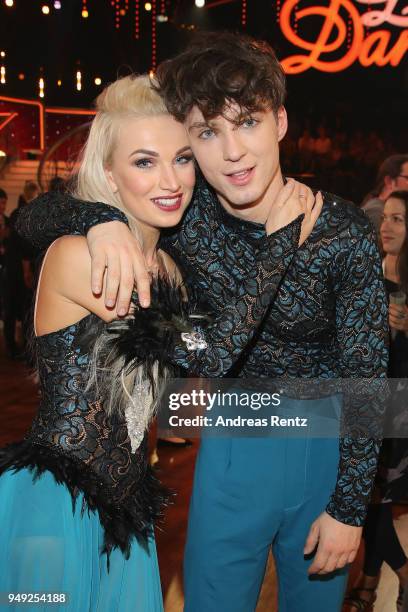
73	489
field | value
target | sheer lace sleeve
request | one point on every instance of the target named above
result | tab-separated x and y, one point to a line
236	323
52	215
362	332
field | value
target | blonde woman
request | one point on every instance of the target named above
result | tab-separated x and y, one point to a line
77	498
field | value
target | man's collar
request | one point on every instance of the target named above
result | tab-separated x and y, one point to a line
250	230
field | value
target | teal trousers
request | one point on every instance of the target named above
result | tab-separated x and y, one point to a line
251	494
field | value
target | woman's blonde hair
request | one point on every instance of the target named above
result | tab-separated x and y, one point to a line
108	376
130	97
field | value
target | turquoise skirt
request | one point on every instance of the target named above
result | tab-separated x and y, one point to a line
46	548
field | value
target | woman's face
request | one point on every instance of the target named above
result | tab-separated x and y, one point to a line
152	169
393	226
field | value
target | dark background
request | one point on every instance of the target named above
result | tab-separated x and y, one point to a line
57	45
63	41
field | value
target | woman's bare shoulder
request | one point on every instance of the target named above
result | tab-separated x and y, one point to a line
67	275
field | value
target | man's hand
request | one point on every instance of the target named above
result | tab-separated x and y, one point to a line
293	200
337	544
118	254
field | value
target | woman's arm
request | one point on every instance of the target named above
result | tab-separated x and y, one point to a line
64	294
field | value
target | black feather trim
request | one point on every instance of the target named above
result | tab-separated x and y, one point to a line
132	518
151	333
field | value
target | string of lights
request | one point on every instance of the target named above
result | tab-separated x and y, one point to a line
278	9
154	36
2	68
137	19
243	13
117	14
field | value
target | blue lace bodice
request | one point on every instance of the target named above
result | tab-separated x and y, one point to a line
86	450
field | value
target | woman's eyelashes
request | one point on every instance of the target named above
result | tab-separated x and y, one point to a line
184	159
146	162
143	163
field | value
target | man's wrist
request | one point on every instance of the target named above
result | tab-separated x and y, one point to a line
102	213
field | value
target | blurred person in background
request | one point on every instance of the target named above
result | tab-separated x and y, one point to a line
392	175
3	235
381	539
18	276
57	185
30	191
306	144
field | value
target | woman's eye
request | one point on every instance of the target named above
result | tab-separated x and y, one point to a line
143	163
184	159
206	134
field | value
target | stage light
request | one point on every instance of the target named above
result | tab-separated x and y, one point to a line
85	14
21	76
2	75
98	81
3	154
200	3
162	18
2	54
45	9
79	80
41	87
59	82
9	3
148	6
57	4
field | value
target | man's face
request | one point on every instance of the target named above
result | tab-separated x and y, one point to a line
398	182
401	181
240	161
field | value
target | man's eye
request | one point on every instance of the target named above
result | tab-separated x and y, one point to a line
250	122
143	163
206	134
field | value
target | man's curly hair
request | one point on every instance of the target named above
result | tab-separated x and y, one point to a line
219	69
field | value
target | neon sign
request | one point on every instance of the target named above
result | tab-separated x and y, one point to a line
373	48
